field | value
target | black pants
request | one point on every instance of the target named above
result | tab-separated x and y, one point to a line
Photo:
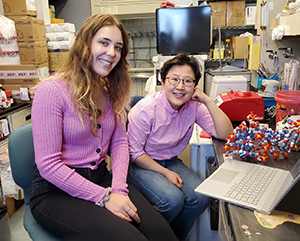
70	218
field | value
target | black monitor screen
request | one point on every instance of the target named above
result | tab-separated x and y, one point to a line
183	30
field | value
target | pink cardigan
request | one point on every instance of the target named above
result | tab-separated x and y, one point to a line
60	141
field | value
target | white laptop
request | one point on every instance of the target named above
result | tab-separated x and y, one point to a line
250	185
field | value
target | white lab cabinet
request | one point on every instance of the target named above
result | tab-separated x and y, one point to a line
202	161
20	118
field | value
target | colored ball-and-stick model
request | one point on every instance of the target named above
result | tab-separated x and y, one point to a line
255	141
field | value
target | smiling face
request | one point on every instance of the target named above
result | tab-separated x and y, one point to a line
106	48
179	95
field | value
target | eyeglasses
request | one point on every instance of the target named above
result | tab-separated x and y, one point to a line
175	81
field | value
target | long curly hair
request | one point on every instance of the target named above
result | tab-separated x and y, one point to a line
78	72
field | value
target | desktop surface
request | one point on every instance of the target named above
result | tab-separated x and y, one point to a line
236	218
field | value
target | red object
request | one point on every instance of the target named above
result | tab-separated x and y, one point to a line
287	103
167	5
237	105
8	93
204	134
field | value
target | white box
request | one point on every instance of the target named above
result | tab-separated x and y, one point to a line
60	44
60	36
223	84
60	27
290	24
227	70
250	15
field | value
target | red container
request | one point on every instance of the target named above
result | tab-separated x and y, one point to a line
287	103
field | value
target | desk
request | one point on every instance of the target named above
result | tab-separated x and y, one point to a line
232	217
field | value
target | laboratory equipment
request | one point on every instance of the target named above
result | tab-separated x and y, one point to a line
237	105
222	84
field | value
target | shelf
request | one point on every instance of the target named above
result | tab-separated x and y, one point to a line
223	60
290	24
235	27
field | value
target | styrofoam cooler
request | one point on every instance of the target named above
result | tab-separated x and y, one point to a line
223	84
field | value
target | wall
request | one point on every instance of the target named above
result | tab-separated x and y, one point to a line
74	11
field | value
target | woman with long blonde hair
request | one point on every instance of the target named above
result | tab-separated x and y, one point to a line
78	115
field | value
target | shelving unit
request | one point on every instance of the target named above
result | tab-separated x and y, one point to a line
290	24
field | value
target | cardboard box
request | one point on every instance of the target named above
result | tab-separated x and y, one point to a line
290	24
60	27
250	15
33	52
23	74
240	47
220	9
57	58
274	23
10	203
235	13
19	7
29	29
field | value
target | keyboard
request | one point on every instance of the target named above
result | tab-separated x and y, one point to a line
253	185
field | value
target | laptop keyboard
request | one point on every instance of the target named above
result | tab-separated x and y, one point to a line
253	186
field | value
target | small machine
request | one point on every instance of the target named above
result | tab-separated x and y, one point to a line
237	105
222	84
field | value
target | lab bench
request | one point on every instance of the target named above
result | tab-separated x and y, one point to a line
238	223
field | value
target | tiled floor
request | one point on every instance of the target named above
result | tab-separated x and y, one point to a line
18	233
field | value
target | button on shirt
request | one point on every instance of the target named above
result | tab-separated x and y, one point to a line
158	130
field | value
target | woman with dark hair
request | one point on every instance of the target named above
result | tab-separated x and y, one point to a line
78	115
160	127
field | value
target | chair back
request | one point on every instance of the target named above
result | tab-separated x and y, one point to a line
21	155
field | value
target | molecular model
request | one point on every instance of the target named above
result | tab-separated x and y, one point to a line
255	141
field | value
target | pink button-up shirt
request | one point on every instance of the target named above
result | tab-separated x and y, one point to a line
158	130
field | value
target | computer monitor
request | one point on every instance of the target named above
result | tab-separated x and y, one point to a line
185	30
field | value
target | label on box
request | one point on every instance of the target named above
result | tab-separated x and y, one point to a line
15	74
40	73
31	5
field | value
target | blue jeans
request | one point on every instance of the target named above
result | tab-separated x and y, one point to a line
180	207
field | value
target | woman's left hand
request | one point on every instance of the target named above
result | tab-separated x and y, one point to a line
121	206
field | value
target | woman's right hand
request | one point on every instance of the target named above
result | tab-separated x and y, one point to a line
174	178
121	206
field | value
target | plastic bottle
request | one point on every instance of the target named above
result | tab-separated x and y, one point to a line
227	53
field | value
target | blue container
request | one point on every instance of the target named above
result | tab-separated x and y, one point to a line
260	79
269	101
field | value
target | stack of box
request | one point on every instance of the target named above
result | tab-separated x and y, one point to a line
9	50
31	38
228	13
233	13
60	37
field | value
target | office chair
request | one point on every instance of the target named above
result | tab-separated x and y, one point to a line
21	155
